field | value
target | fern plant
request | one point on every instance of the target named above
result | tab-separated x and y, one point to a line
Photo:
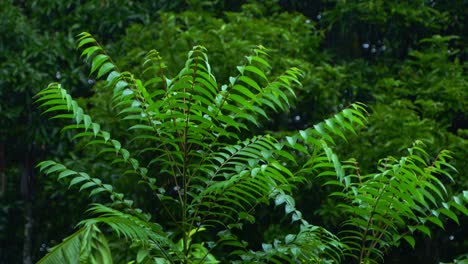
206	177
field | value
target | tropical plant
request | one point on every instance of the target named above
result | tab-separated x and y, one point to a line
189	145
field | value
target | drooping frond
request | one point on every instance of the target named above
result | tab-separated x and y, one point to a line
56	99
132	228
87	245
312	244
93	185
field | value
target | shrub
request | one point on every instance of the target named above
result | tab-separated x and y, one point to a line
190	145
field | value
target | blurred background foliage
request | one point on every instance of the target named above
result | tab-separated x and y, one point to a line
405	60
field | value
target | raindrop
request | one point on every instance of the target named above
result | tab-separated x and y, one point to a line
136	103
383	48
90	81
373	50
43	247
58	75
319	16
451	237
127	92
365	45
307	21
297	118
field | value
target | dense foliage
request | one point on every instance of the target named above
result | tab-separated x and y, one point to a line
406	61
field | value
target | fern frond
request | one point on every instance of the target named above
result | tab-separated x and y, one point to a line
314	143
57	99
402	198
101	62
241	176
87	245
134	229
93	186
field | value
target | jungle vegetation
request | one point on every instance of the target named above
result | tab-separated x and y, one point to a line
233	131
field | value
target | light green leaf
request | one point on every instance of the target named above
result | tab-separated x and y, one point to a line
410	241
66	173
98	61
107	67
